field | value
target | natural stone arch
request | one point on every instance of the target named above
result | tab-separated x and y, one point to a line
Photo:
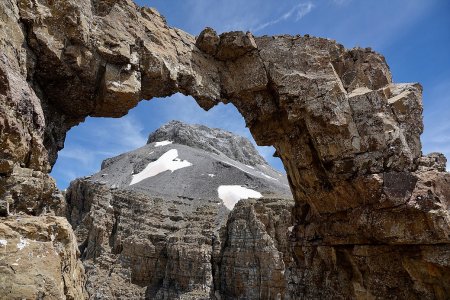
349	138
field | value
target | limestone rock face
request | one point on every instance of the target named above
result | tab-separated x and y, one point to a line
255	261
348	136
137	246
39	259
167	236
30	191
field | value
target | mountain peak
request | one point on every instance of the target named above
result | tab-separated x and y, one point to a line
214	140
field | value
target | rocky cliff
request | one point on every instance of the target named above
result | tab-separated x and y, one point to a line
371	218
39	259
166	235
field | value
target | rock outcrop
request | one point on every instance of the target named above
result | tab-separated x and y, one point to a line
167	236
39	259
255	261
348	136
209	139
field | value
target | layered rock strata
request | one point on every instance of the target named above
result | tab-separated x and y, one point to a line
348	136
135	246
168	236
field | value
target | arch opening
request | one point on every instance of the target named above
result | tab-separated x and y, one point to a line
96	139
174	214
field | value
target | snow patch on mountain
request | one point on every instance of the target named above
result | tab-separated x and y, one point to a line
163	143
231	194
238	167
167	161
267	176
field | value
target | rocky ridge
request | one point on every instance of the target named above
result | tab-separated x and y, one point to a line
348	136
210	139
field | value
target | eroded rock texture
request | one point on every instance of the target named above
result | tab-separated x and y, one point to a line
255	261
136	246
39	259
348	136
169	235
216	141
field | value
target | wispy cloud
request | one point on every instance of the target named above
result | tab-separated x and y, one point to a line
296	13
225	116
341	2
222	15
124	133
228	15
78	153
88	144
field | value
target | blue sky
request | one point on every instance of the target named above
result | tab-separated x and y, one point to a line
413	35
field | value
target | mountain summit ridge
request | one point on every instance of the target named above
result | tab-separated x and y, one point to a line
215	140
192	161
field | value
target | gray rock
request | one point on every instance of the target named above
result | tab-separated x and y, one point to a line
167	236
217	141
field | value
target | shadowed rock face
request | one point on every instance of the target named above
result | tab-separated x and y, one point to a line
349	138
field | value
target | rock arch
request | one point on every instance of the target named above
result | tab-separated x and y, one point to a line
348	136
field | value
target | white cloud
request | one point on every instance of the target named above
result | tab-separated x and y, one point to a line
182	108
297	13
89	143
229	15
123	133
78	153
222	15
68	175
341	2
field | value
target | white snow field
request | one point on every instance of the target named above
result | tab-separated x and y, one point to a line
163	143
231	194
167	161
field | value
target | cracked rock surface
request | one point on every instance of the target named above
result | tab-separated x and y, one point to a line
348	136
39	259
169	236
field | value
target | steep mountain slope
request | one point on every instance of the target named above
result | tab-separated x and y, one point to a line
166	168
155	222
